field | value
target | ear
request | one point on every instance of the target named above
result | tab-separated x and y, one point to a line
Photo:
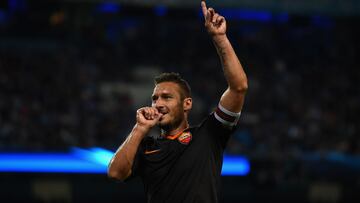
187	104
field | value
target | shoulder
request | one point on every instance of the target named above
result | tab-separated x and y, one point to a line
217	127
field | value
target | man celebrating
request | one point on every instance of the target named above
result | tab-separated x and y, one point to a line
183	164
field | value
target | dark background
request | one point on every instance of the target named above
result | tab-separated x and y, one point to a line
73	73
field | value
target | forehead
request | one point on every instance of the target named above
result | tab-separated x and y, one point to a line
166	88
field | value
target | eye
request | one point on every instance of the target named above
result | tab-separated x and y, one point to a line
154	98
167	97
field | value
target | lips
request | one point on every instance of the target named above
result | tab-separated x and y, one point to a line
163	114
163	111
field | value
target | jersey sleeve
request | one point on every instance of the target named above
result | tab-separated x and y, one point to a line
220	124
226	117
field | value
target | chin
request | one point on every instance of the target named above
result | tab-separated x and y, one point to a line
163	124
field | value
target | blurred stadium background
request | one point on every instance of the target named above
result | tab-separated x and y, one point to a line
73	72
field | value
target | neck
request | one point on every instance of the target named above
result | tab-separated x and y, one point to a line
173	131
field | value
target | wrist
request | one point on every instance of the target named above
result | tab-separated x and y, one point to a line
141	129
220	40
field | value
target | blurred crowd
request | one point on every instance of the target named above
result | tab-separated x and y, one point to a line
71	78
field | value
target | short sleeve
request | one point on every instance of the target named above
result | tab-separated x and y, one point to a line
221	123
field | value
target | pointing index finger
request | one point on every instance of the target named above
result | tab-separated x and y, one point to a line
204	9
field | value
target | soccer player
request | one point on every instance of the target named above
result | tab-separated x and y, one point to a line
183	164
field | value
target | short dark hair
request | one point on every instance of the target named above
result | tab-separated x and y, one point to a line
175	78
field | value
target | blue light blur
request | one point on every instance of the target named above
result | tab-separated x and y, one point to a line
3	17
242	14
94	160
281	17
17	5
251	15
160	10
95	155
235	166
108	8
322	21
47	163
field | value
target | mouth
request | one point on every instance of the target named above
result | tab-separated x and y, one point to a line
163	114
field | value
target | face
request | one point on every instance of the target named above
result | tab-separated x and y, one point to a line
167	99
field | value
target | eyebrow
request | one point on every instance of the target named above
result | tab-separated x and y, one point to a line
154	96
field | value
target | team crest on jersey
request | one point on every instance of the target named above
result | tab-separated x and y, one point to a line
185	138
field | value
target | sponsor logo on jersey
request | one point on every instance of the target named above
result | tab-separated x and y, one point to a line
185	138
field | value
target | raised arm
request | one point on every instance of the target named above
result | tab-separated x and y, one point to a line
121	164
233	98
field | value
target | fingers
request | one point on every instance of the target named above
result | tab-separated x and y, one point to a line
149	113
214	18
204	9
210	15
219	20
207	13
147	117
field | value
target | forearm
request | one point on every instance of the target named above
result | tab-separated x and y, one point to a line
233	70
123	159
233	98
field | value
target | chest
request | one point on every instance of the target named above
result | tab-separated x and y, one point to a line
178	157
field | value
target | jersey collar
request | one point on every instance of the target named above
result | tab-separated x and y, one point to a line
173	137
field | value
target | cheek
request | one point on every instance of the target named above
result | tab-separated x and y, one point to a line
175	108
179	110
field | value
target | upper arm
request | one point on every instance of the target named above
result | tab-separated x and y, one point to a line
233	100
229	108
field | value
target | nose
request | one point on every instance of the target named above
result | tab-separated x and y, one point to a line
159	105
